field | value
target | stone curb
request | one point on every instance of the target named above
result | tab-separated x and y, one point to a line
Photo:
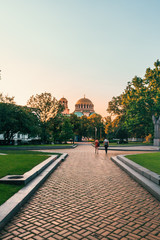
154	177
147	183
13	204
28	176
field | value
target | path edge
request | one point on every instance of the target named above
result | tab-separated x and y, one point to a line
14	203
148	184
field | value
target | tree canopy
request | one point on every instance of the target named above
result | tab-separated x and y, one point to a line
17	119
45	105
139	102
46	108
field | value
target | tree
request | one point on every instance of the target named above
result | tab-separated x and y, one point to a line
96	122
55	127
109	128
139	102
6	99
46	107
76	123
67	130
17	119
84	127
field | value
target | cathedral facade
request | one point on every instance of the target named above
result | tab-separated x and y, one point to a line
83	107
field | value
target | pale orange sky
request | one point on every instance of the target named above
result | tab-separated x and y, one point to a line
70	48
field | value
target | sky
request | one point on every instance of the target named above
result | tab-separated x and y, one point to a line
72	48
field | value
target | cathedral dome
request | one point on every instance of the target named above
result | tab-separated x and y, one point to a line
84	101
84	106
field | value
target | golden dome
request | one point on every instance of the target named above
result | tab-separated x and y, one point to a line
84	101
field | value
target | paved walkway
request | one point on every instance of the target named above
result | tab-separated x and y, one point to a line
87	197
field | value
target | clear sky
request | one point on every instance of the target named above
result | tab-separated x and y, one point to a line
74	47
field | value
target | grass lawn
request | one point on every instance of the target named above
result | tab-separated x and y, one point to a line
150	161
129	144
41	145
15	163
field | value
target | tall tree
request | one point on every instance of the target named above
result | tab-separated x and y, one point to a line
46	107
139	102
96	123
55	127
17	119
67	130
76	123
109	128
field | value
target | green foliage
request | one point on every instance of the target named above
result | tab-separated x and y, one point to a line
55	127
67	131
17	119
139	102
96	121
84	126
45	105
46	108
76	123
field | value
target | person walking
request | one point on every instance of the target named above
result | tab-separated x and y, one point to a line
96	144
106	144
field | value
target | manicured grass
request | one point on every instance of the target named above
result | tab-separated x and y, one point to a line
17	163
130	144
150	161
41	145
7	191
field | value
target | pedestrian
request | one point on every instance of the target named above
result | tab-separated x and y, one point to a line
106	144
96	144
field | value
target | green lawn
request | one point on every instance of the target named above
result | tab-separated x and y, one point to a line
150	161
41	145
15	163
129	144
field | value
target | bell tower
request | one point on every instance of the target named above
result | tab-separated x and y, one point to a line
64	102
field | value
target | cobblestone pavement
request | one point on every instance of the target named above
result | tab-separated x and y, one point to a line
87	197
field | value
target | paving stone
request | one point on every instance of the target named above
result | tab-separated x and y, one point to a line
87	197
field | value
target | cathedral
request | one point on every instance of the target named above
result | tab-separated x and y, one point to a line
83	107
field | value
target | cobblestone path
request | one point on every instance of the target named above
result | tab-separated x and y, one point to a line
87	197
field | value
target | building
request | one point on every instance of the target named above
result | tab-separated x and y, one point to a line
83	107
64	102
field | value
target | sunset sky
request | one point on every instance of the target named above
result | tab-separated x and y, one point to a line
74	47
